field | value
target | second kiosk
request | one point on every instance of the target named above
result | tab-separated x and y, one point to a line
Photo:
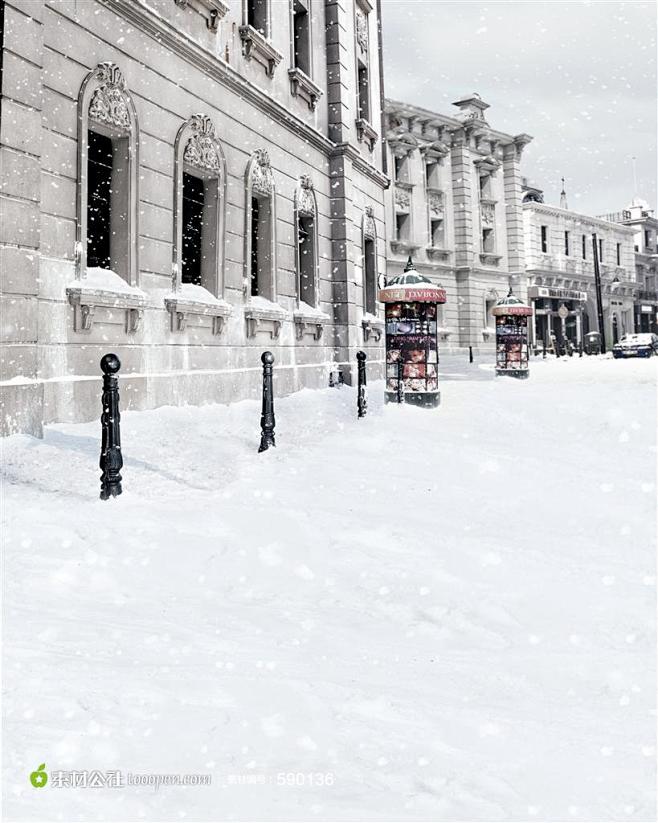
412	353
511	336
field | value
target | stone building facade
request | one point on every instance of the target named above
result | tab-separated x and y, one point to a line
455	207
186	183
560	268
642	219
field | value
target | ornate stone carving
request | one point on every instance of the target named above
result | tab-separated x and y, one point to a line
262	179
369	228
305	199
435	201
362	30
109	102
402	200
488	213
201	148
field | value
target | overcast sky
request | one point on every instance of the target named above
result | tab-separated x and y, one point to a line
580	77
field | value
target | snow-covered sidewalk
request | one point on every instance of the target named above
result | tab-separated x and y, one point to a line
448	614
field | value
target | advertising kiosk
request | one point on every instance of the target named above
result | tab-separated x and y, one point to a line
512	336
412	353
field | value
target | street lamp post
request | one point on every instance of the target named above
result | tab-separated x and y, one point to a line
597	284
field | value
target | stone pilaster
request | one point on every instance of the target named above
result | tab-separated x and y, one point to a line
340	79
20	205
514	211
462	198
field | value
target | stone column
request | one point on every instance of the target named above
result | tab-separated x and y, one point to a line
462	198
21	405
514	213
340	69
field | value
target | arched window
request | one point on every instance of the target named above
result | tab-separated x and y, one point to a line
107	197
260	220
199	206
306	225
369	241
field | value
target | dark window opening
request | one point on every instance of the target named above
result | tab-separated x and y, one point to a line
301	34
431	170
600	251
485	187
99	200
647	239
544	239
306	254
584	247
257	15
402	226
436	232
255	228
371	275
364	93
193	203
566	243
619	254
488	244
400	168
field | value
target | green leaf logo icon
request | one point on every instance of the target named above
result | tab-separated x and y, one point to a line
39	778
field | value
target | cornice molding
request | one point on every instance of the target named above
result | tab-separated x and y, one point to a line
555	211
170	37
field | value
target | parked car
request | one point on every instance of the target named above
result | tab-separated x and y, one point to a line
636	345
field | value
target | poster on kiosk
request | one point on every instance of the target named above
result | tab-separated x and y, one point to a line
511	336
412	354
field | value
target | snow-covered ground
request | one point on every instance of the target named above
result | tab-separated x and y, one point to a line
448	614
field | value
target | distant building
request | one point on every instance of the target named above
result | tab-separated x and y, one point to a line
559	261
186	183
643	221
455	206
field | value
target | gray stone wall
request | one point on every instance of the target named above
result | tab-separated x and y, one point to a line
175	66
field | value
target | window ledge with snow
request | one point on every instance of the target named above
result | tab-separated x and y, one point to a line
488	332
262	314
490	259
195	301
255	46
404	247
373	326
103	288
310	320
303	87
435	253
366	133
444	334
212	10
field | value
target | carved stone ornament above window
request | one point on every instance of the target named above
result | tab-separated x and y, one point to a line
201	149
435	202
402	199
369	228
362	30
109	103
262	179
255	46
488	164
488	213
305	199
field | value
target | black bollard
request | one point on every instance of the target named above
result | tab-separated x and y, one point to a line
331	380
267	421
111	461
470	354
580	348
362	397
543	349
400	383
